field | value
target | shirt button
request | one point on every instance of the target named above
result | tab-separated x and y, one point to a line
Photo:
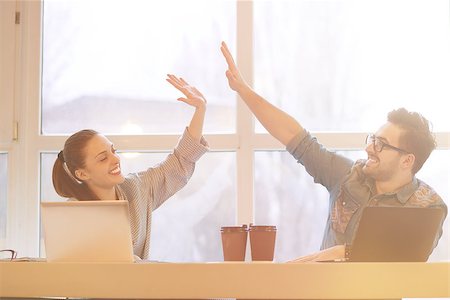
343	203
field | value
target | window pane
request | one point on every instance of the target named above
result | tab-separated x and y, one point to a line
105	64
286	196
436	173
187	227
334	66
3	193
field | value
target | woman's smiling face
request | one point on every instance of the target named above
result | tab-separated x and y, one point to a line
102	165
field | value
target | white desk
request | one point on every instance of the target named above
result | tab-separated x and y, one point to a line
226	280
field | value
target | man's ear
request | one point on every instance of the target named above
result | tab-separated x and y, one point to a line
408	161
81	174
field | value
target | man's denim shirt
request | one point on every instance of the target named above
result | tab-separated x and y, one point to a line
350	190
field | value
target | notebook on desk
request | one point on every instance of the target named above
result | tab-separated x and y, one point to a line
87	231
395	234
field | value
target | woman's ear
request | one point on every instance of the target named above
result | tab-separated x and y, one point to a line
82	175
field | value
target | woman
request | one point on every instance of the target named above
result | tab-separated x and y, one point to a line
88	168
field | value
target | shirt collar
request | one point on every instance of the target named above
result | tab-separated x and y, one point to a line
119	193
402	194
406	192
369	189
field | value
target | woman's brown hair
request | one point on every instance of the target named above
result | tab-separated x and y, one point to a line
71	158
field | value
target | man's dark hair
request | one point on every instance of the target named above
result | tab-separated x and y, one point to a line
416	138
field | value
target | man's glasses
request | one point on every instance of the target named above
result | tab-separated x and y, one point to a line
7	254
378	144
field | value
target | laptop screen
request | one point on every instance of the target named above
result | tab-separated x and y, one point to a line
87	231
395	234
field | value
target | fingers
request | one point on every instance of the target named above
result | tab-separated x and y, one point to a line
187	101
183	82
193	96
195	102
307	258
226	52
180	84
230	75
228	57
232	80
173	80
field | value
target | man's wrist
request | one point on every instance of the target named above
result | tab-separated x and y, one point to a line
348	249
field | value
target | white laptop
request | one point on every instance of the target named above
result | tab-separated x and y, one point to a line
87	231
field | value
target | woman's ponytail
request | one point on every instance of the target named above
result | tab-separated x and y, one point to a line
68	161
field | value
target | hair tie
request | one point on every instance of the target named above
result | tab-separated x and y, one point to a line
66	168
61	156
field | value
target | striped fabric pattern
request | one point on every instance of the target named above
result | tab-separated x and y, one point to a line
147	190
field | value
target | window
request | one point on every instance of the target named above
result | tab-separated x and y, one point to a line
193	216
342	65
287	197
336	66
3	193
108	71
436	173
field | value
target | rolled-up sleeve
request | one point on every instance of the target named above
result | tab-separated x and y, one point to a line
326	167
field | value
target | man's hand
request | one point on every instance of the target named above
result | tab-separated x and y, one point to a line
335	253
235	80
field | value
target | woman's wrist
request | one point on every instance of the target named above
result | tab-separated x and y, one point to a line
201	108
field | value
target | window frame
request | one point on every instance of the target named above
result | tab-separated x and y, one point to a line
7	78
24	154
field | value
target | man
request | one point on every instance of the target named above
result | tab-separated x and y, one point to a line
386	178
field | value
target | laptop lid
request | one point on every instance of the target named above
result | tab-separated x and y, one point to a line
395	234
87	231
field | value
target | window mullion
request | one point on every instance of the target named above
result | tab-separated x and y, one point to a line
245	120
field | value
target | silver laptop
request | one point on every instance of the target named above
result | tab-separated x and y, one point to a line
87	231
392	234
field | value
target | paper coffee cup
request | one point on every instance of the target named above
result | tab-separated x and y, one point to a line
262	242
234	242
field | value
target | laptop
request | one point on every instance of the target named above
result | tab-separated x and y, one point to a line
395	234
87	231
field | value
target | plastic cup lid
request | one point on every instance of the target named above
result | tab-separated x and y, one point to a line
234	228
263	228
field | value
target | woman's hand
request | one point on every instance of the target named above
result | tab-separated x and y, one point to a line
235	80
193	96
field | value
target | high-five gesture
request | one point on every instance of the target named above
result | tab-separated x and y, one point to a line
193	98
278	123
235	80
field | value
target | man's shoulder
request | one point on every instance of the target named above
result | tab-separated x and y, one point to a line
356	171
425	196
